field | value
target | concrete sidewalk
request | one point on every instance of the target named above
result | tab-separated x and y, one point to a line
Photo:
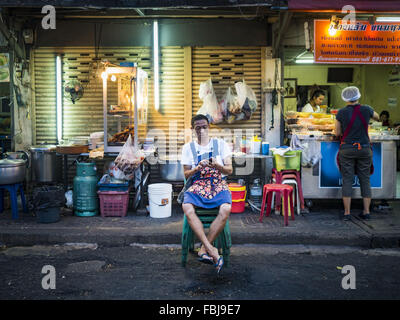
322	226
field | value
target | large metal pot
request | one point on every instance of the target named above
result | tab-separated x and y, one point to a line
45	166
171	170
12	171
18	155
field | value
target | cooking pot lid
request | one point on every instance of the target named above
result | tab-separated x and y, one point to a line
5	163
44	147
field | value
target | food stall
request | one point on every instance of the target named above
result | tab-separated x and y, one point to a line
125	100
323	180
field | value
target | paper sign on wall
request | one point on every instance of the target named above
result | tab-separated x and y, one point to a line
360	43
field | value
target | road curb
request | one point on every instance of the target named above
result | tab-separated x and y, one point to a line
113	240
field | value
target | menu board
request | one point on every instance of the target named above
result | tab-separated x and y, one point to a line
359	43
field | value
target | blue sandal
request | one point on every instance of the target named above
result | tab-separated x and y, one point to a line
206	260
219	264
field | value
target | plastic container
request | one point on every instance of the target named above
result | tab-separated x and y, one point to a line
255	146
48	215
265	148
238	197
113	186
255	194
113	203
160	198
291	160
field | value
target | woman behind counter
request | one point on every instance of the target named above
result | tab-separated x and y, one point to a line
316	100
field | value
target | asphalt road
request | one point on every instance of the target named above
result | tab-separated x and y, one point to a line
154	272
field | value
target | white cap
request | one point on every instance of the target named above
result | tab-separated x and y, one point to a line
351	94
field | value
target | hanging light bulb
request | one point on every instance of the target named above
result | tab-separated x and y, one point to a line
113	78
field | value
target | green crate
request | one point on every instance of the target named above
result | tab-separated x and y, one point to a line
291	160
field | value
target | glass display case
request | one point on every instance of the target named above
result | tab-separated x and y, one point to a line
125	105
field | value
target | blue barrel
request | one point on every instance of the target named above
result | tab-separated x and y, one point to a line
85	190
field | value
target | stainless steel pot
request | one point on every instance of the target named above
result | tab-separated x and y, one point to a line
45	166
172	170
22	155
12	171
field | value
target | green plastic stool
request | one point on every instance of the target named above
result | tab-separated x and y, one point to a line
223	240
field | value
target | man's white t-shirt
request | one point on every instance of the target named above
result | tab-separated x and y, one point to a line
187	156
308	108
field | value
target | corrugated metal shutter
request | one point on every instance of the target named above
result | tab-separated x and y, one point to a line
225	66
86	115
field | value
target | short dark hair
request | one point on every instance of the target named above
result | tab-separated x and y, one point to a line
317	93
384	112
199	117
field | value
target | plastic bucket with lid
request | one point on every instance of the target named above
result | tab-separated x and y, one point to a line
238	197
160	198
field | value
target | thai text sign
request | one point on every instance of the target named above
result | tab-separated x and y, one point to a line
361	43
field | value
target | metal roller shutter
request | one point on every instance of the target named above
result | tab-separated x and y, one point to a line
225	66
86	115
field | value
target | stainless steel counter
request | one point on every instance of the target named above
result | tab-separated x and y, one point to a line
323	181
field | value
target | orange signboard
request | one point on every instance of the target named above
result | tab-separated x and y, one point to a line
359	43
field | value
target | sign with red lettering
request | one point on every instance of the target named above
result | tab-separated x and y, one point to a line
359	43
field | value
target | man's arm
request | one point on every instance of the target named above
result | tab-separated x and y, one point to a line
188	171
375	116
226	168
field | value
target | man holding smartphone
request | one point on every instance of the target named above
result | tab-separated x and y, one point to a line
207	162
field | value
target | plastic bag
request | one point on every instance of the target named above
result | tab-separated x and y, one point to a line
46	197
210	108
246	99
128	161
230	106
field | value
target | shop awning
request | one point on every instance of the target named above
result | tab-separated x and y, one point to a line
364	5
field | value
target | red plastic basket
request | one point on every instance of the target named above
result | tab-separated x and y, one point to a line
113	203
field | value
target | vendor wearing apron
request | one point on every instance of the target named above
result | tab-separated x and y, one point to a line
355	151
208	161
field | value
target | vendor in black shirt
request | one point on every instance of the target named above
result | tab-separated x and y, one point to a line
355	153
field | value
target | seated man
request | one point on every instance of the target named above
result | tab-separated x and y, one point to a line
207	161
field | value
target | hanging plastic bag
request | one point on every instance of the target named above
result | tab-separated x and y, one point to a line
230	105
129	159
247	100
210	108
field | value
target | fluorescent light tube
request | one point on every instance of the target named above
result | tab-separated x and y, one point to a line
156	66
304	61
59	97
388	19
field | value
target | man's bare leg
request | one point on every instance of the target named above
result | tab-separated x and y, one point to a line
216	228
197	227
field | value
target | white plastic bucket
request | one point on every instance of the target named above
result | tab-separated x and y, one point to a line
160	198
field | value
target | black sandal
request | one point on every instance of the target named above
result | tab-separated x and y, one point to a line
365	216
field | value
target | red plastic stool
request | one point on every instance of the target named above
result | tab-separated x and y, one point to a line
280	175
280	189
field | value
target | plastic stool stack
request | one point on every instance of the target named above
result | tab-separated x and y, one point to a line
282	190
223	240
291	180
280	176
13	190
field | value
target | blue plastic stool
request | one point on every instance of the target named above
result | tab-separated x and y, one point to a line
13	190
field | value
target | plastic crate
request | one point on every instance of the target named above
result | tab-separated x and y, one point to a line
113	186
113	203
291	160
